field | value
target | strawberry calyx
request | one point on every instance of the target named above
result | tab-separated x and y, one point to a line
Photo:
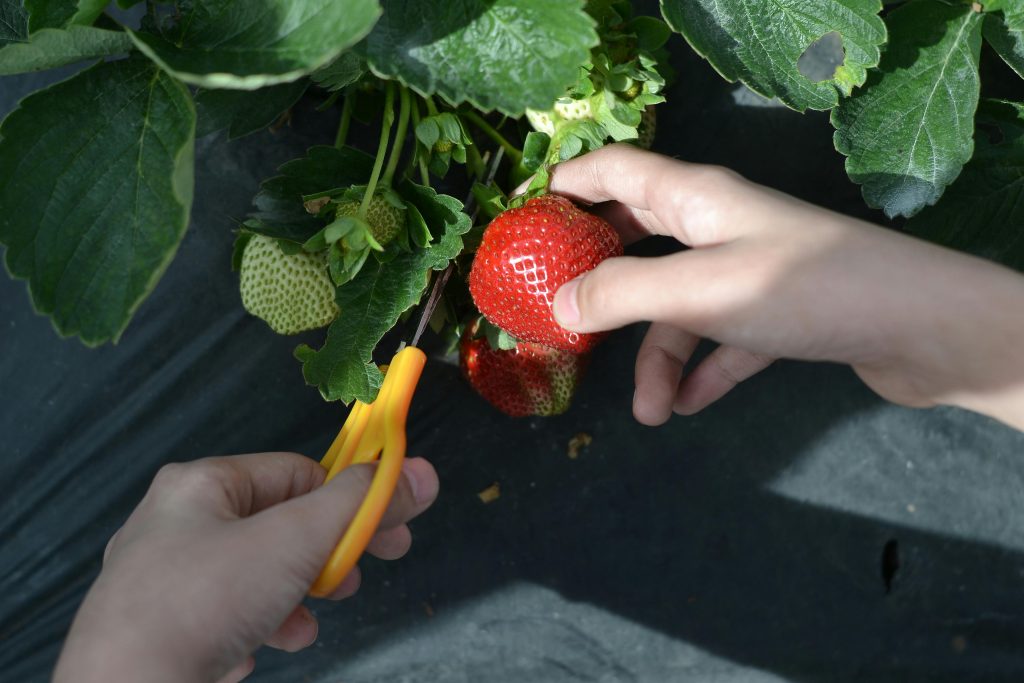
352	233
497	338
538	187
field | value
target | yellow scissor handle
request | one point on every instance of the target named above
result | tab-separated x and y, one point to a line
371	429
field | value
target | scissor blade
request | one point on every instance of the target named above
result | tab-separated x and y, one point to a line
432	302
439	283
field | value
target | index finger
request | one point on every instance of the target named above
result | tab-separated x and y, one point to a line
694	203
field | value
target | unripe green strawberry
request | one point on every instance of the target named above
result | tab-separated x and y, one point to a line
541	121
566	110
633	91
648	125
530	379
574	110
290	292
443	146
385	219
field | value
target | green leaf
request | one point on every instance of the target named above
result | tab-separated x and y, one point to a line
280	212
428	132
497	54
1012	10
760	42
983	211
247	44
574	138
59	13
53	47
13	22
651	33
443	215
245	111
372	303
999	121
490	199
535	149
348	68
1009	44
907	133
96	185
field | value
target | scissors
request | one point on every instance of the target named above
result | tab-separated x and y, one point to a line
375	430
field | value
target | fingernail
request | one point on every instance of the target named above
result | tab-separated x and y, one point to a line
420	477
566	309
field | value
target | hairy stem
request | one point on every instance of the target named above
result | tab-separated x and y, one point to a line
396	148
382	147
346	120
475	163
514	155
417	158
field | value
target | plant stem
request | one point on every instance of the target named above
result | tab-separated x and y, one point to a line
431	107
417	158
396	148
514	155
476	166
382	147
329	102
346	120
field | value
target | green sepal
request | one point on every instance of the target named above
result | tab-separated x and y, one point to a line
490	200
343	265
393	198
416	227
241	240
535	149
288	247
651	33
538	186
497	338
442	138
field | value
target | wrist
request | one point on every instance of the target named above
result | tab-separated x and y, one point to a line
974	340
114	638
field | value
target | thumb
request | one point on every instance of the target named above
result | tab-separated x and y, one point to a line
628	289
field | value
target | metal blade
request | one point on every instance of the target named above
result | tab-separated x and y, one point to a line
442	279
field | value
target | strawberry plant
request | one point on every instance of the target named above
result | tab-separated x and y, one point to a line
96	171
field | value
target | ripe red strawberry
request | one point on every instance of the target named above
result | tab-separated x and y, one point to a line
526	255
528	380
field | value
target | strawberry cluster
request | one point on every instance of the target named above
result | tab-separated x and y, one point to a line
526	254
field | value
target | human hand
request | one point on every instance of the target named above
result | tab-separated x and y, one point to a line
216	560
770	276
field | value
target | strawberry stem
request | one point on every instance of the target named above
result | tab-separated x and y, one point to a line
417	158
396	148
475	162
431	107
382	147
346	119
514	155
